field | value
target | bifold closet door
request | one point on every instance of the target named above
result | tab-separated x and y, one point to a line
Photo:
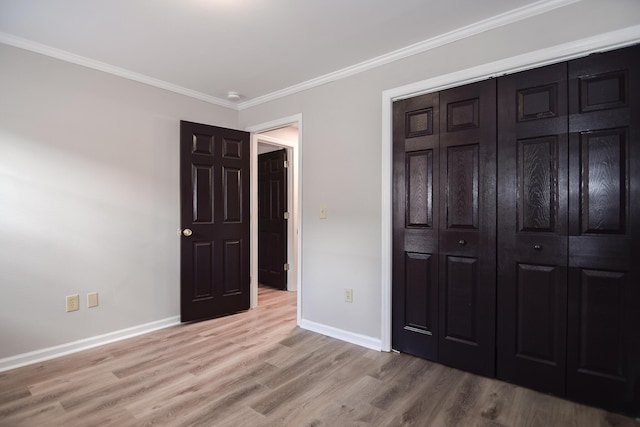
415	225
603	365
533	227
467	237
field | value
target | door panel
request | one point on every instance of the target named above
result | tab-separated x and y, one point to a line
214	190
272	225
604	279
467	234
415	225
532	232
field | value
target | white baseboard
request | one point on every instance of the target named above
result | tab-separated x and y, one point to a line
341	334
84	344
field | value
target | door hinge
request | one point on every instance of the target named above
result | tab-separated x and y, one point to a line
286	164
286	215
286	267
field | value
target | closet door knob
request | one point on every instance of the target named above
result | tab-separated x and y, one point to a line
537	247
462	242
186	232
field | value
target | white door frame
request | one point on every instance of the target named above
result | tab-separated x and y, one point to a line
563	52
294	232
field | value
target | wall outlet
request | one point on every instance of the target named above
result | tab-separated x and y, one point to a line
348	295
92	299
73	302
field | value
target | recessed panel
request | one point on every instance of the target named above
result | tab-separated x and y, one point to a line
231	148
601	324
535	312
277	210
462	187
419	123
276	165
203	266
537	180
603	91
603	182
232	265
232	195
202	144
417	285
202	176
461	295
537	103
419	172
463	115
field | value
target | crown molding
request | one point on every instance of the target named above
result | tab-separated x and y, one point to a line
506	18
63	55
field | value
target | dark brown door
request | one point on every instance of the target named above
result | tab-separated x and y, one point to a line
272	222
604	227
415	225
533	228
467	237
214	216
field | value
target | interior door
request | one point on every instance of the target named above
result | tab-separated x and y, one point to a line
415	225
467	237
604	231
272	221
533	228
214	216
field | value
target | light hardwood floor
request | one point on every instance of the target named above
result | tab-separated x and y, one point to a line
258	369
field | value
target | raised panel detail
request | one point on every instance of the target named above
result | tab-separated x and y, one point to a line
276	209
417	284
462	187
537	181
601	324
231	148
232	267
461	299
603	91
419	171
538	103
232	195
202	176
535	313
202	144
203	265
419	123
463	115
603	181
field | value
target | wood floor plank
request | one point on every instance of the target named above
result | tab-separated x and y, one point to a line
258	369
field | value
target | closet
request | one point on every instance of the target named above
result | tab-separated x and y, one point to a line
516	228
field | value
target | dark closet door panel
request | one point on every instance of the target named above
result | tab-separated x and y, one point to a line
415	225
532	232
468	227
604	268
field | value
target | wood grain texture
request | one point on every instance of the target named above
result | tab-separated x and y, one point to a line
258	369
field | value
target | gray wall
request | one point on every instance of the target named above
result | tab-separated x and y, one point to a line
89	199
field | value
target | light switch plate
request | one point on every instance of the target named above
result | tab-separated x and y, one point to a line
323	212
92	299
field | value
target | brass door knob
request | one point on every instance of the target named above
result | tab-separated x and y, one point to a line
187	232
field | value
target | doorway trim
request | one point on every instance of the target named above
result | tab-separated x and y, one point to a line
563	52
294	231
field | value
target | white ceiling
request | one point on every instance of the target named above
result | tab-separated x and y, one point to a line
255	47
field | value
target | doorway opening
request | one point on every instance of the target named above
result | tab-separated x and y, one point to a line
284	135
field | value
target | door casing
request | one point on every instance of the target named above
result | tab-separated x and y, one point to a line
294	232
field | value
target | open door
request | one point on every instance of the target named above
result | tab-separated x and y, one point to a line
214	220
